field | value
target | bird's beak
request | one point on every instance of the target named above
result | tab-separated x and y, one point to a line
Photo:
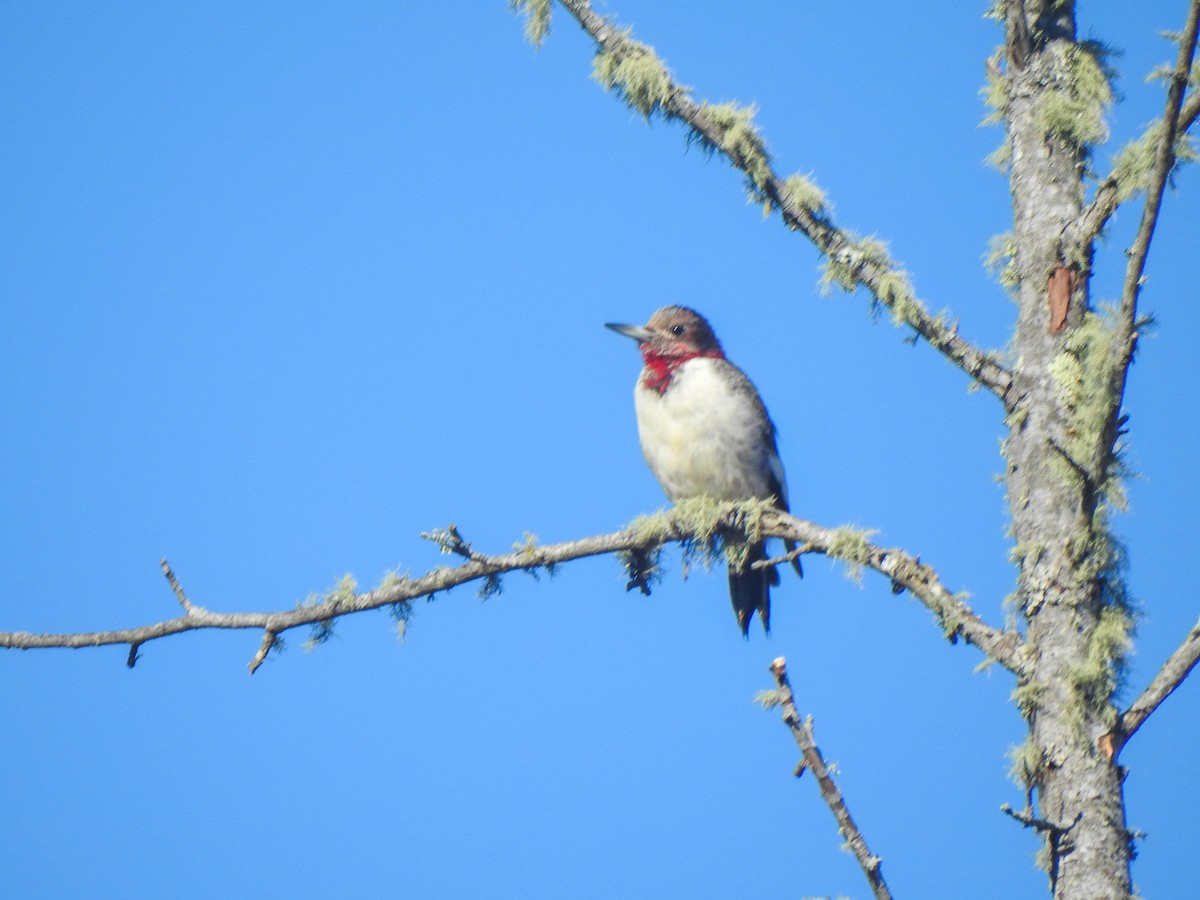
637	332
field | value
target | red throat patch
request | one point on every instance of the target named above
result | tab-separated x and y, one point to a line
659	369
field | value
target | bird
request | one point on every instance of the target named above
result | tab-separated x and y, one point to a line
705	431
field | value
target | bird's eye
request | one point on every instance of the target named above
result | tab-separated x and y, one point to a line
678	330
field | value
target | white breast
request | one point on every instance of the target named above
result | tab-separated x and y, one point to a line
707	434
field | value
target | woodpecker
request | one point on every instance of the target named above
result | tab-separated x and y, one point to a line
705	431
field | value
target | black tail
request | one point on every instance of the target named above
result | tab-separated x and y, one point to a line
791	545
750	590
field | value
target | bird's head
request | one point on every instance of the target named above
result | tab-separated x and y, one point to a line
674	334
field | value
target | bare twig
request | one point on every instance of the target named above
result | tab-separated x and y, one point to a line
955	617
270	639
785	558
1177	667
1029	820
833	242
1056	835
187	605
812	760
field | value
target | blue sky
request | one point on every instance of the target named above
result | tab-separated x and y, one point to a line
287	284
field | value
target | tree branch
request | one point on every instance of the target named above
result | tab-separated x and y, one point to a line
812	760
1017	42
1165	160
851	261
188	606
906	572
1126	336
1177	667
698	521
1114	189
1057	837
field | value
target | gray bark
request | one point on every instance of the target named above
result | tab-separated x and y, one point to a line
1054	499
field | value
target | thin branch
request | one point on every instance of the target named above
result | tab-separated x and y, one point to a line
1017	42
1126	337
451	541
881	278
1058	837
909	573
270	639
1029	820
812	760
1111	192
1177	667
187	605
1162	170
906	572
785	558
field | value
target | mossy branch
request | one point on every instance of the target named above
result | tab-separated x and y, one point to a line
635	72
537	18
1125	337
1133	171
1145	164
698	523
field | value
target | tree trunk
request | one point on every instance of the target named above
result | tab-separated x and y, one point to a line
1064	553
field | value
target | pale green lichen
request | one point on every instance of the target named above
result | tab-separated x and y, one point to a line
527	544
1027	764
1096	679
769	699
1074	104
1134	164
952	616
895	291
340	599
995	96
800	191
402	610
999	158
392	578
720	526
537	18
632	69
853	547
1027	697
1083	372
343	592
1025	554
865	260
1001	261
994	93
656	528
1016	419
742	142
707	529
844	266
